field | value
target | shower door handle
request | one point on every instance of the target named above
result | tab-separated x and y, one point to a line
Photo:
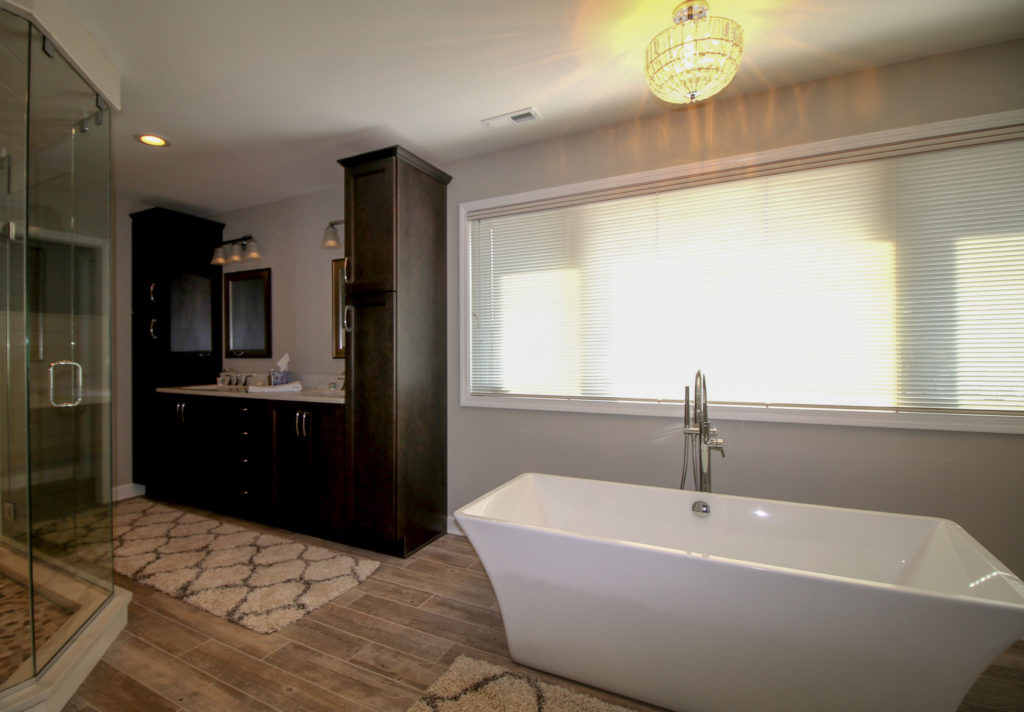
76	388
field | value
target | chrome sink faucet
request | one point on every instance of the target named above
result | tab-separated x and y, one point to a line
700	437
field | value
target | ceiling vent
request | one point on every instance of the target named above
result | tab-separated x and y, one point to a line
520	116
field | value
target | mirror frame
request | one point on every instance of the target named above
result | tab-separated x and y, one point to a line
263	275
338	306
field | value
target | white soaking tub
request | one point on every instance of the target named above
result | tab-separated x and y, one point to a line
762	605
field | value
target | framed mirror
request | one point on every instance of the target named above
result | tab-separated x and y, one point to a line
338	306
247	314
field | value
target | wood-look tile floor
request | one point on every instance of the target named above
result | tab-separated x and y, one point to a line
376	647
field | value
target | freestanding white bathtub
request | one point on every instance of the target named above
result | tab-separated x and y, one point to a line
762	605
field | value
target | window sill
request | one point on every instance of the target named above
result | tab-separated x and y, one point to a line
965	422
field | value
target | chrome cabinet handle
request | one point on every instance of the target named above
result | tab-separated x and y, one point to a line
152	328
183	404
305	423
346	275
76	387
298	413
152	296
348	320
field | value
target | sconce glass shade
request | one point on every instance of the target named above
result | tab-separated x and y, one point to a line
695	58
219	258
235	253
331	240
252	250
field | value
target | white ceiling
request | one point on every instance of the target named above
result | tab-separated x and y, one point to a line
260	97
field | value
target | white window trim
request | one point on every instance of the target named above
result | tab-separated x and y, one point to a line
817	416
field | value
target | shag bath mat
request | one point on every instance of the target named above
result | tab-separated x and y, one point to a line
473	686
256	580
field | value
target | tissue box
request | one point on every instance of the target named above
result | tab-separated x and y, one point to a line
279	378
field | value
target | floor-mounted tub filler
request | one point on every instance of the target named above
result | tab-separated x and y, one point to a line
704	602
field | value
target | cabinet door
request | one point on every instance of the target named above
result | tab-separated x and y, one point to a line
370	225
311	490
370	417
188	460
329	475
176	297
293	461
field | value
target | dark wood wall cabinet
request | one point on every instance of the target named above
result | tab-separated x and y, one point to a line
176	318
395	350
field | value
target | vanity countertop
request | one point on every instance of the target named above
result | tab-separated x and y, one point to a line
308	395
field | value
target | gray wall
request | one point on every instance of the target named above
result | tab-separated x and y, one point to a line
974	479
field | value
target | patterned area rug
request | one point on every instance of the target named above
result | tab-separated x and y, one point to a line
256	580
473	686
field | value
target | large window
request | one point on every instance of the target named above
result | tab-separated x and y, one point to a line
864	282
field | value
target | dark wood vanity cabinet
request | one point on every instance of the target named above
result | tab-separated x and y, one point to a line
176	320
311	492
395	391
280	462
215	453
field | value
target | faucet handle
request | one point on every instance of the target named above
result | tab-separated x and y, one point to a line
717	443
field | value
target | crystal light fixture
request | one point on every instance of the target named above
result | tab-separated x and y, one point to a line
695	58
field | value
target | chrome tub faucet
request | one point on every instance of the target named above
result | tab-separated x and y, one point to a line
700	437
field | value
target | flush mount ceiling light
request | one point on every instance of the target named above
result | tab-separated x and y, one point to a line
331	240
695	58
242	248
152	140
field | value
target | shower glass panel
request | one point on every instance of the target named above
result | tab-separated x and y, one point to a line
55	533
16	639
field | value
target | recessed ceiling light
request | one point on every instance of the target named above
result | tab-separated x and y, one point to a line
152	140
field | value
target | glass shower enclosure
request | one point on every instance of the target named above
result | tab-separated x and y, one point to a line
55	344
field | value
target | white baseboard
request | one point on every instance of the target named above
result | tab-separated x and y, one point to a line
128	491
454	528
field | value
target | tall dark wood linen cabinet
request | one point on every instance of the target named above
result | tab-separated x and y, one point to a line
176	330
395	349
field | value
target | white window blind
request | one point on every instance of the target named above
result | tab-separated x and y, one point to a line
893	283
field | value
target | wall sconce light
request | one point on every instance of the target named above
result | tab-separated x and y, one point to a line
242	248
331	240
